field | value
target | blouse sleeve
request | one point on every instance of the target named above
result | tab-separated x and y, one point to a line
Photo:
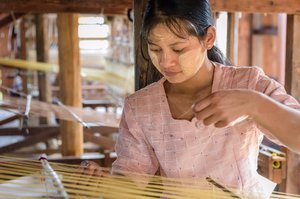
277	92
134	153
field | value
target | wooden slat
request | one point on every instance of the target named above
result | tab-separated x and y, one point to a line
262	6
109	7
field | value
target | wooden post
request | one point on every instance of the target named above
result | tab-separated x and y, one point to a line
42	56
292	83
245	41
69	81
232	38
23	52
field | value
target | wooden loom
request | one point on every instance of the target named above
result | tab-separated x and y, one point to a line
25	178
99	125
25	106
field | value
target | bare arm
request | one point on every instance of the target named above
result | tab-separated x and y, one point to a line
282	121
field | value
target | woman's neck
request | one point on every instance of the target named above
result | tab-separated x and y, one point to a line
202	80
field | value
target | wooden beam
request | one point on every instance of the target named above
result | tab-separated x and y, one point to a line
121	6
109	7
70	81
262	6
29	141
10	119
10	18
292	84
32	131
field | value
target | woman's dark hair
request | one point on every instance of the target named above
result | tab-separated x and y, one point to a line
182	17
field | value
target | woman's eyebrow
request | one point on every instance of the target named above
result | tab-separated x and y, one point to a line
172	44
151	43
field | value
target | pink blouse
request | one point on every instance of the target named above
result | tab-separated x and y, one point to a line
150	139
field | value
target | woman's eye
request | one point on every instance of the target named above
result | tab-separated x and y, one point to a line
178	50
155	50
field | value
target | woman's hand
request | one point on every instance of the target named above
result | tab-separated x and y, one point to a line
89	174
224	107
90	168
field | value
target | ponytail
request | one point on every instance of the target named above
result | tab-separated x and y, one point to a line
215	54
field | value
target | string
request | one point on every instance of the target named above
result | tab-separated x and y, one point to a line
78	185
43	109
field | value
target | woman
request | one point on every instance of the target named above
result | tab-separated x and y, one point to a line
203	118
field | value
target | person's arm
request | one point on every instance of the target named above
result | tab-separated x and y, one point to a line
280	120
223	108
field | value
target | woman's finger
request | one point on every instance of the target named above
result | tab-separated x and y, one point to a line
201	104
204	113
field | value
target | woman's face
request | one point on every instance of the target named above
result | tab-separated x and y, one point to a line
178	59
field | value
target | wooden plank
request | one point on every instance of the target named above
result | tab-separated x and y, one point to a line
69	81
292	85
262	6
109	7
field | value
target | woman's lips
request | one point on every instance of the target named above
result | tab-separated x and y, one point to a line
170	73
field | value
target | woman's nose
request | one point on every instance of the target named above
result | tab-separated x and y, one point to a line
166	60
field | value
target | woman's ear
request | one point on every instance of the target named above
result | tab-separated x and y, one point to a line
210	37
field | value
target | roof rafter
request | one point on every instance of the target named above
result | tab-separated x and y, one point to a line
108	7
